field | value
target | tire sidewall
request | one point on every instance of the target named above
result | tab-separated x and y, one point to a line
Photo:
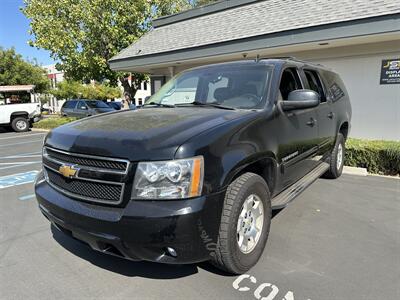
340	141
14	124
241	260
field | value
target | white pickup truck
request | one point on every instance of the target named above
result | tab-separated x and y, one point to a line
19	116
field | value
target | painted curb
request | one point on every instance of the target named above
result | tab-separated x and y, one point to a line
40	130
355	171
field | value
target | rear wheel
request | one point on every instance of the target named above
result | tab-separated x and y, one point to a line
336	159
20	124
245	223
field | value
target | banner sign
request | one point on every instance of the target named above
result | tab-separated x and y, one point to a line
390	71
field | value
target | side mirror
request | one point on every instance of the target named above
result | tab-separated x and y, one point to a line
301	99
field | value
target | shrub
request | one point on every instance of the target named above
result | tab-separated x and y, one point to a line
380	157
53	122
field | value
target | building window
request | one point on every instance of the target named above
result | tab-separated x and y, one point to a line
145	86
140	101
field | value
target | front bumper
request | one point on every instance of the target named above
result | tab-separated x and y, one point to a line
143	229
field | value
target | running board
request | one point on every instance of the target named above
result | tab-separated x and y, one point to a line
285	197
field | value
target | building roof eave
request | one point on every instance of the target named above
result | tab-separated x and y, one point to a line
349	29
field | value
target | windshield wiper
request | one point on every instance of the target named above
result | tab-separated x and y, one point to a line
210	104
159	104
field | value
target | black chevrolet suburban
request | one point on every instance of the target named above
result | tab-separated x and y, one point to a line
195	173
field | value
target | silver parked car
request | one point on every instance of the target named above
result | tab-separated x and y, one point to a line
81	108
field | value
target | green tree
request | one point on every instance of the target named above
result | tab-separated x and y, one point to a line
67	89
73	89
84	34
14	70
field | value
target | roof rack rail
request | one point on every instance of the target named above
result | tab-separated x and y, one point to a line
279	57
291	58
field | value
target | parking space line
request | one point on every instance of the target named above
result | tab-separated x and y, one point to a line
17	166
23	155
27	197
21	143
20	163
20	136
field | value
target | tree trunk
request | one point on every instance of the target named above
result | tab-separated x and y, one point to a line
129	89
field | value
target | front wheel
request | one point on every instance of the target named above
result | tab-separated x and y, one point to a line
245	224
336	159
20	124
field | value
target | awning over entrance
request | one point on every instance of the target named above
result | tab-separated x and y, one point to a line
17	88
231	30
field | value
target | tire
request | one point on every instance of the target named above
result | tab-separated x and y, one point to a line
336	159
20	124
229	256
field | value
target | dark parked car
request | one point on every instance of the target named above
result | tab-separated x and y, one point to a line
81	108
194	174
115	105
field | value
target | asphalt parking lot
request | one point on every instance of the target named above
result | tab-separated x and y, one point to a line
339	240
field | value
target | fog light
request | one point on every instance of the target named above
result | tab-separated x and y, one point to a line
172	252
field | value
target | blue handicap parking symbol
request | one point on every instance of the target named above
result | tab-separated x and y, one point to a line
17	179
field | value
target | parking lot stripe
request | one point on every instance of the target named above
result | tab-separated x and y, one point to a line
27	197
21	143
23	155
20	163
20	136
18	166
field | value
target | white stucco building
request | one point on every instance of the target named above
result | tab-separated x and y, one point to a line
359	39
55	76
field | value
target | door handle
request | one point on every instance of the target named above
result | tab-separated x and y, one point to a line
331	115
312	122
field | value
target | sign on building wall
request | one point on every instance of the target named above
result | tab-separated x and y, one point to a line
390	71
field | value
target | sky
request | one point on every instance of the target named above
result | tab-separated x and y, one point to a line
14	28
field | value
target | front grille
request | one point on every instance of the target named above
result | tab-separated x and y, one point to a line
95	180
88	161
86	189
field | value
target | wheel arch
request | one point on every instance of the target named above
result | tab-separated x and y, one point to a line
344	129
265	166
19	114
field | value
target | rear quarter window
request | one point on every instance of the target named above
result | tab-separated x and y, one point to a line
335	86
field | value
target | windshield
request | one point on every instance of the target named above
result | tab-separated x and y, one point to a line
241	86
96	104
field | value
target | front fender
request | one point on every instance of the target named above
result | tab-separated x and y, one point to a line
264	164
229	149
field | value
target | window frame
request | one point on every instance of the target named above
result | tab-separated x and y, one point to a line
321	81
297	69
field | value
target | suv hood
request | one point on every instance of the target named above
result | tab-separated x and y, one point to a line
144	134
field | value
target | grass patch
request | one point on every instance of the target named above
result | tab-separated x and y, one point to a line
379	157
53	122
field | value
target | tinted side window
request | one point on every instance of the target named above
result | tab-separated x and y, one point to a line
315	83
70	104
290	81
81	104
335	86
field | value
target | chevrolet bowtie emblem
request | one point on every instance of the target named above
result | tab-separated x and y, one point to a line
68	171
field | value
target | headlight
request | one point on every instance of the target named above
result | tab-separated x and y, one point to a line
174	179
